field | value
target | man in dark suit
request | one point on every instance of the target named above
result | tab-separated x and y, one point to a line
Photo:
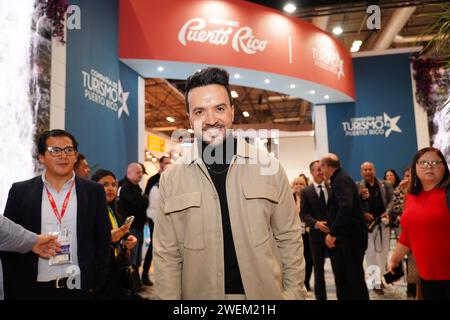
348	232
59	202
314	212
132	202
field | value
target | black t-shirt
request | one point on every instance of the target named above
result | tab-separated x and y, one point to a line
375	201
218	172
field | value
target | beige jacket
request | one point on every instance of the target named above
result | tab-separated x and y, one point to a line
188	243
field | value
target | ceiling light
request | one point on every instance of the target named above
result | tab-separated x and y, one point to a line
289	7
312	92
267	81
357	43
190	130
354	49
337	30
237	75
326	97
234	94
160	69
246	114
170	119
292	86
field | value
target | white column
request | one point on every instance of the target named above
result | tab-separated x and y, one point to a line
320	130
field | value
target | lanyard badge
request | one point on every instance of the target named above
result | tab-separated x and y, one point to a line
64	256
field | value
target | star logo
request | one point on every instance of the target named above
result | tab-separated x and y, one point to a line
123	97
391	123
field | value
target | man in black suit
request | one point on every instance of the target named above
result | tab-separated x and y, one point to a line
348	232
314	212
59	202
132	202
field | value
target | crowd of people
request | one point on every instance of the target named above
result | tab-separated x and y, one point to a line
224	221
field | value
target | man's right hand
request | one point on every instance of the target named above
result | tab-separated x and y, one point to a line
322	226
368	217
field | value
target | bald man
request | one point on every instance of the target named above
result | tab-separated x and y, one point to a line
347	239
377	204
132	202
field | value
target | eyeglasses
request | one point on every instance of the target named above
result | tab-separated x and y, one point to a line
425	163
57	152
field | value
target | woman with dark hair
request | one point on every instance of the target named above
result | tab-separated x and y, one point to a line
298	185
391	176
120	237
425	224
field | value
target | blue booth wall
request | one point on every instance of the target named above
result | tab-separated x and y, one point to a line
96	107
383	93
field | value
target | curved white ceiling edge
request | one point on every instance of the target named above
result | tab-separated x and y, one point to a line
248	78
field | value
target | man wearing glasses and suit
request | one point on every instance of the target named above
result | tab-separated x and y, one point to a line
59	203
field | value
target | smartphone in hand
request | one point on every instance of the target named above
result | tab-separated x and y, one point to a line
129	221
398	273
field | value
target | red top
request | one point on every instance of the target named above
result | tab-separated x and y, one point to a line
426	230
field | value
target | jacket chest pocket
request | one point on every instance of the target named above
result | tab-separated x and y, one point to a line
261	200
186	215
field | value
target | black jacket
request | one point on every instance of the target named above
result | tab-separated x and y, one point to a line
151	182
133	203
312	210
346	214
93	236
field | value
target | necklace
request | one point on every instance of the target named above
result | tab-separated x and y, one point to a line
217	172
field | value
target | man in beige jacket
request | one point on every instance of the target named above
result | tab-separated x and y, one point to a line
226	225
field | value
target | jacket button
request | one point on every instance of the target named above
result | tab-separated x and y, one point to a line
215	197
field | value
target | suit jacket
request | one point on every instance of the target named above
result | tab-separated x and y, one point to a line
312	210
387	192
93	236
133	203
151	182
13	238
346	213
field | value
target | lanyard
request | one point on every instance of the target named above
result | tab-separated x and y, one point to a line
64	206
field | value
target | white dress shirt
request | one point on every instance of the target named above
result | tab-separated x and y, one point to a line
49	223
325	191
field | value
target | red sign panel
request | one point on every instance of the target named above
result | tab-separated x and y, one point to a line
233	33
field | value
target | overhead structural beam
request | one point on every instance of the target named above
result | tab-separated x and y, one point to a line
321	22
393	27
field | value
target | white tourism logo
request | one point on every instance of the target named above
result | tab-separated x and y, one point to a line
105	92
372	126
195	30
329	60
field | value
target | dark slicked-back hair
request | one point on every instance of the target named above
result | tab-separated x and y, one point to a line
101	173
161	160
416	186
311	165
42	140
206	77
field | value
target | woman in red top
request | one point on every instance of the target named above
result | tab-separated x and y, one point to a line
426	224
